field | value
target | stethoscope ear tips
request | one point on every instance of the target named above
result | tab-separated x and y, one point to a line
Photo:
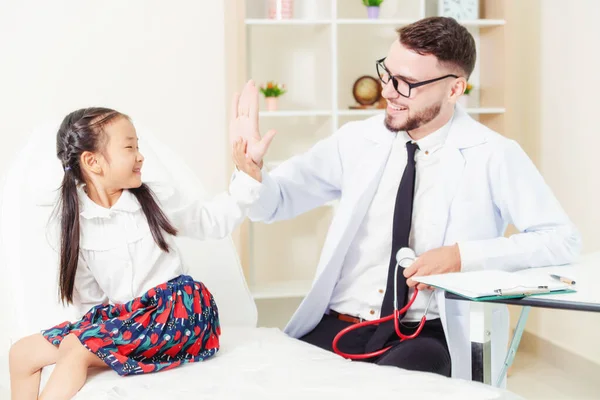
405	254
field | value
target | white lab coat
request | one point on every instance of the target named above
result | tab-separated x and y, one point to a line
487	182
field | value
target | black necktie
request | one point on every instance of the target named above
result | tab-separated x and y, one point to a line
400	235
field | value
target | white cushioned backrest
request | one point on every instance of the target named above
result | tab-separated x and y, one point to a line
30	264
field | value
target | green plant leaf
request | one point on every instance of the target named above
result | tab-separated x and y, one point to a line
372	3
272	90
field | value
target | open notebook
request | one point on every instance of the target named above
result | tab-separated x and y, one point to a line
491	284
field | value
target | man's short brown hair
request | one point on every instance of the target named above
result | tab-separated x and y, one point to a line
447	40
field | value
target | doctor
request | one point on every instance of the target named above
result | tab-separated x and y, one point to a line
424	175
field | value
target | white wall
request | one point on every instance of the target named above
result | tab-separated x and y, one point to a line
161	62
570	141
570	135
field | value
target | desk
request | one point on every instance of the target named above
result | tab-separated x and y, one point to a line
586	273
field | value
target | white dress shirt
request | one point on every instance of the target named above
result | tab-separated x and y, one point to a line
119	259
361	286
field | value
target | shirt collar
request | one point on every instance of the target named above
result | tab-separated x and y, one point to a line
431	142
127	202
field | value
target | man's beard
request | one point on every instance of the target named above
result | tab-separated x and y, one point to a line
423	117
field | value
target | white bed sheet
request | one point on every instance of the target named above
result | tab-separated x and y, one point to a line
264	363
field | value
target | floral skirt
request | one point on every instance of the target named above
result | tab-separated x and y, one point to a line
174	323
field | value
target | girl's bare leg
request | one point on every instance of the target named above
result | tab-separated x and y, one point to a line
71	369
27	357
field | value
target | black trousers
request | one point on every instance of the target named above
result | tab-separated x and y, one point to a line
428	352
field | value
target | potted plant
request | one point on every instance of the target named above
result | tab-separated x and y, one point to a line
464	99
372	8
272	91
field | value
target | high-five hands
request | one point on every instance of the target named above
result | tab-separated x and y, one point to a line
244	124
243	162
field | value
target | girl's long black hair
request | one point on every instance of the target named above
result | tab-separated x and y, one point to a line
81	131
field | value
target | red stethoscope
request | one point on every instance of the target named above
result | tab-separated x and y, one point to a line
404	254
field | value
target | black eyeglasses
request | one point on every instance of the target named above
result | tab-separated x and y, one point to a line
402	86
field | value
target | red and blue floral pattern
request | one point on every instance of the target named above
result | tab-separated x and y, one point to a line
174	323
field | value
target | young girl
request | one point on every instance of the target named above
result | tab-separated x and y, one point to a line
118	262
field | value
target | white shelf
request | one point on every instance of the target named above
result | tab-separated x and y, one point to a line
483	22
266	21
366	21
295	113
366	113
331	38
363	21
360	113
279	290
